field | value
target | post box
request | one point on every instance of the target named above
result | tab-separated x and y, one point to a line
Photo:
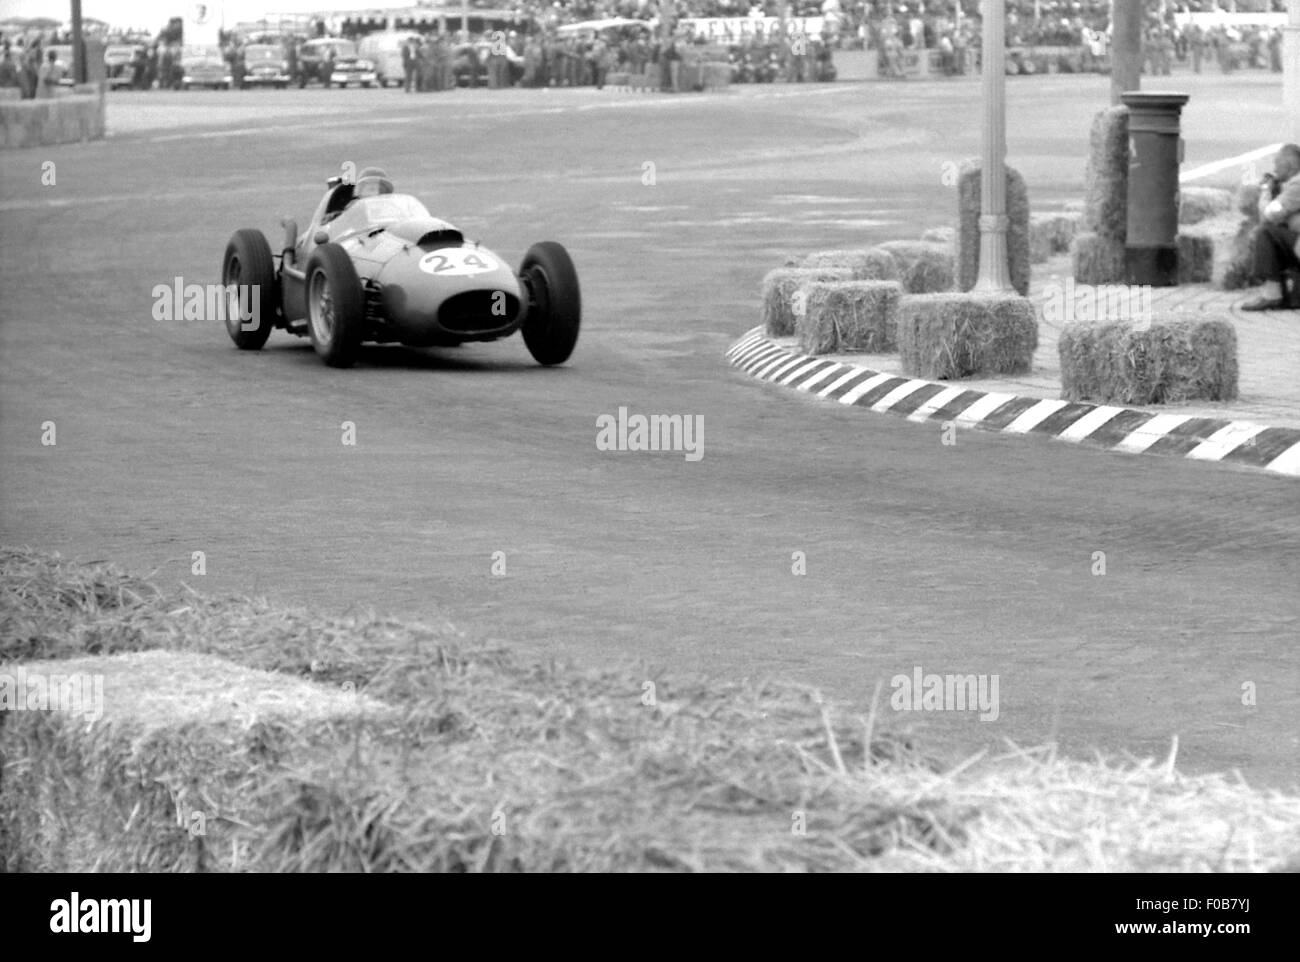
1155	151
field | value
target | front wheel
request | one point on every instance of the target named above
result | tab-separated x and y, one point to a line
336	307
252	293
554	303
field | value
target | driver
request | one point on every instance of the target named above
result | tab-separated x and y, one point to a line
371	182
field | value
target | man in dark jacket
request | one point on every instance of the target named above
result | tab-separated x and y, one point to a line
1277	239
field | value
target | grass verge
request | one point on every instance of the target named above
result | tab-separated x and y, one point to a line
240	735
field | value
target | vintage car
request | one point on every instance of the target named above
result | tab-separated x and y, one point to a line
265	65
120	61
204	66
375	265
334	62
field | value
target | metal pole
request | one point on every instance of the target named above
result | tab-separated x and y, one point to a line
1291	70
78	47
1126	49
994	274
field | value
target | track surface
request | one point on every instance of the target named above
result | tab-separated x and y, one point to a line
971	558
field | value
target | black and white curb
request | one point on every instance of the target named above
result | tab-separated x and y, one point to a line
1120	429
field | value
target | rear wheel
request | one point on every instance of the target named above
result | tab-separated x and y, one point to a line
248	266
336	307
554	303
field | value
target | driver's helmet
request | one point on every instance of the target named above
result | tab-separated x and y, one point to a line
371	182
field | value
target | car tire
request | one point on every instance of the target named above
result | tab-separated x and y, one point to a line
248	261
554	308
336	306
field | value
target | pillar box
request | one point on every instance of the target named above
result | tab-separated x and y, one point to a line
1155	151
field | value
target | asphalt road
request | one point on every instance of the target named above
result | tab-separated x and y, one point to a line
972	558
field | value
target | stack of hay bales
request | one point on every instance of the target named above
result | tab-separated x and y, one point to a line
843	316
872	264
1196	204
969	191
941	235
1098	253
924	267
1195	258
1168	361
1051	233
784	298
953	335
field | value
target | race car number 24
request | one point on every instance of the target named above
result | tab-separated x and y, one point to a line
457	262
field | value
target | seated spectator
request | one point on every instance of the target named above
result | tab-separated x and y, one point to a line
1275	240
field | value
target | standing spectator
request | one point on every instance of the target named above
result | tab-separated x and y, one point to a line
31	70
600	62
408	64
8	70
673	58
48	77
1196	46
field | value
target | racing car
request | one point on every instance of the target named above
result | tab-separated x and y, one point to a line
375	265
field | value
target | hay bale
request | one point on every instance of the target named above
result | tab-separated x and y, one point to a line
1168	361
1195	258
871	264
850	316
1195	204
1106	176
1051	233
954	335
782	300
1247	201
181	735
967	252
924	267
1237	257
940	235
1097	260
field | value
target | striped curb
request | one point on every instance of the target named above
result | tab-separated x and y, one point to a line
1119	429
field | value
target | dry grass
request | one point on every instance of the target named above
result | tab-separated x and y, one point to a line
956	335
782	293
1168	362
1106	177
1196	204
366	744
1095	259
870	264
1195	257
924	267
850	316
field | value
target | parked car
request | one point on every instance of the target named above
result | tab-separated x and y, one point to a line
333	62
119	64
204	66
384	50
374	265
265	65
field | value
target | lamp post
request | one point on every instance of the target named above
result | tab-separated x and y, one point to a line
1291	70
994	273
